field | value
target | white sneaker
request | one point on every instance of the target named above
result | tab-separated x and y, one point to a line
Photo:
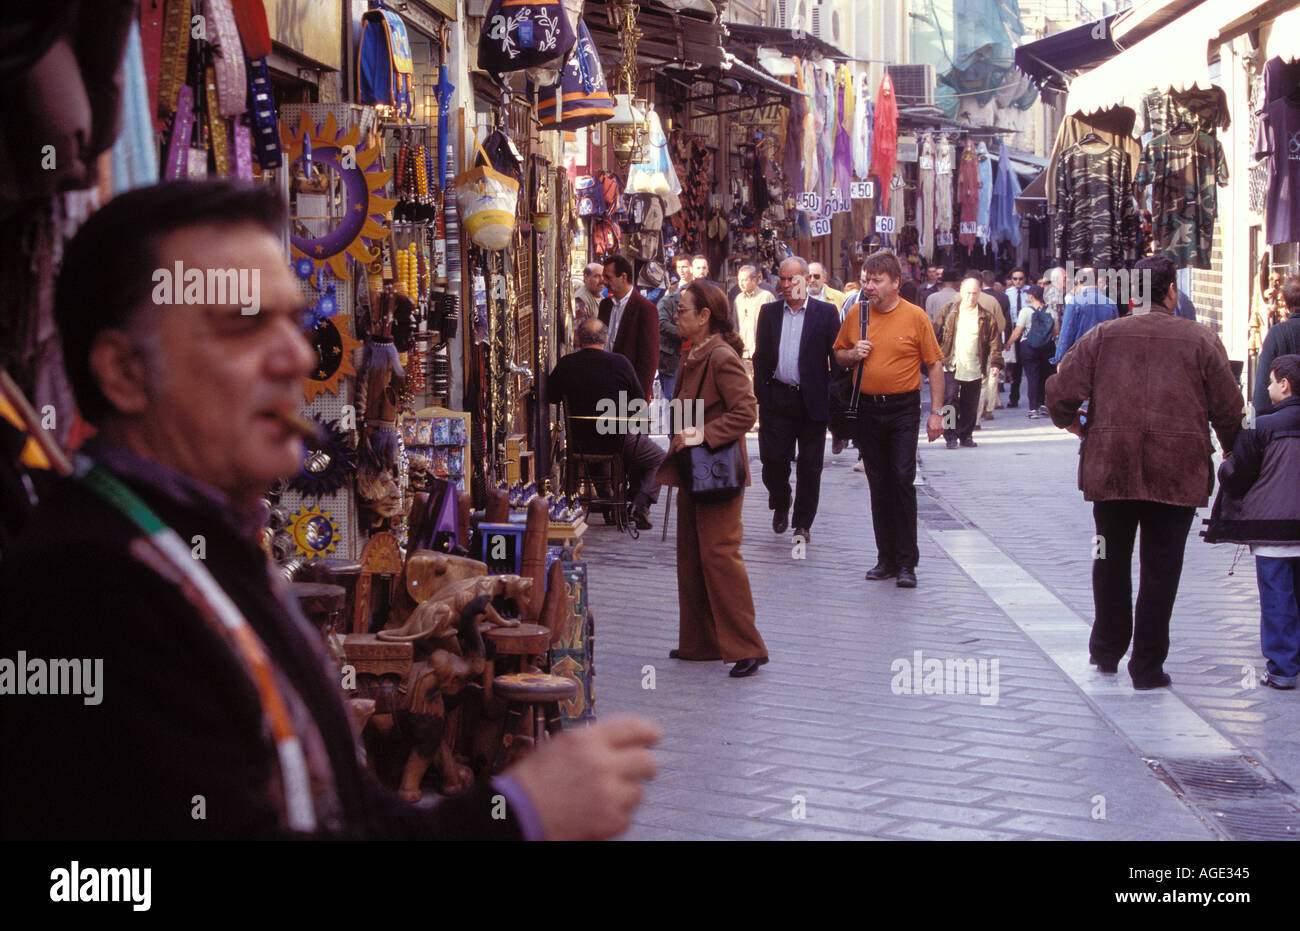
857	466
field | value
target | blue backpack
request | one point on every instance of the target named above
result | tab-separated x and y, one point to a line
1040	328
384	66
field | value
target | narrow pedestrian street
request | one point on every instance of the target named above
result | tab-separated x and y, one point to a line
838	737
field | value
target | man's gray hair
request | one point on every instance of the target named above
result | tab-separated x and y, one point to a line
803	263
593	268
591	332
752	269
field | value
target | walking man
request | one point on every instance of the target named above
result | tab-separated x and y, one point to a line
1015	295
1282	339
670	343
633	323
900	340
971	343
748	302
792	380
1091	306
1152	382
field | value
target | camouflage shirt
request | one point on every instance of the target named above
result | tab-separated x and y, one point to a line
1096	217
1182	170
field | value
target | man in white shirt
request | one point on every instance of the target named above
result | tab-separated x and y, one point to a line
747	303
971	341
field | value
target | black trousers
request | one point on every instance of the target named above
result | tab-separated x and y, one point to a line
783	426
1164	536
1013	374
641	459
964	397
887	437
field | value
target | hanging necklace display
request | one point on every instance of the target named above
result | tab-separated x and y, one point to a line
361	223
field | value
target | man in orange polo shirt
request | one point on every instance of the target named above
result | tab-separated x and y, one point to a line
900	339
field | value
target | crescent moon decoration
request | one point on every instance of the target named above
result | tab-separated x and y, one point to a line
314	531
363	221
332	339
327	463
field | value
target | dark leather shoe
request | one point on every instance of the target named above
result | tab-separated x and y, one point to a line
1159	683
780	521
951	444
881	571
642	519
746	667
803	532
968	443
1108	669
906	577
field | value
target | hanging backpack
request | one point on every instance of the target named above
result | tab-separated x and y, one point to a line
590	197
519	34
581	97
604	236
1040	328
384	67
644	212
612	190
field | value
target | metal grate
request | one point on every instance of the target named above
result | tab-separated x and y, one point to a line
1234	778
1238	798
1264	822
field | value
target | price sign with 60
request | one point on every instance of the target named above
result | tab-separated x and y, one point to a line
884	224
820	227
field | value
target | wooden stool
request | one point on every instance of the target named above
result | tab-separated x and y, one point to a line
522	641
538	693
323	604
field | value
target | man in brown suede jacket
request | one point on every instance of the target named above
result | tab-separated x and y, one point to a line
1153	381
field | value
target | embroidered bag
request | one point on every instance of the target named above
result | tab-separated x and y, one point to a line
581	97
384	67
519	34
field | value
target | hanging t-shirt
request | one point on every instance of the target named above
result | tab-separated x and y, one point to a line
1096	217
1206	109
968	191
1182	170
1279	140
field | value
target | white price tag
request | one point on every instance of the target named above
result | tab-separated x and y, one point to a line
820	227
943	239
884	224
810	202
968	228
862	190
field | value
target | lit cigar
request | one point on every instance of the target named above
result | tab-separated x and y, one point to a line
305	427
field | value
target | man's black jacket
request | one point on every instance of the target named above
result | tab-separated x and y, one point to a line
179	717
586	378
816	354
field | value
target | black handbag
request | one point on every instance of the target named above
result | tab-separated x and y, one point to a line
712	474
844	393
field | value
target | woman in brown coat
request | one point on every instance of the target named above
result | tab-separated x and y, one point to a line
716	605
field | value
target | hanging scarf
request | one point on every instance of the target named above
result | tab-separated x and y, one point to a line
986	191
862	129
811	168
968	192
792	156
884	144
843	156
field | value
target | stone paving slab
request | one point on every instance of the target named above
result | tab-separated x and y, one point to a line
833	718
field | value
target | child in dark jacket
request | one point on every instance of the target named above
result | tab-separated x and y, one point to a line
1260	505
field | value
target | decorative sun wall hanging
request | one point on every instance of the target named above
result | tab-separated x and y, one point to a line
332	339
363	215
314	531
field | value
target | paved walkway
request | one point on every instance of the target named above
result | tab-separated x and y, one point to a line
827	741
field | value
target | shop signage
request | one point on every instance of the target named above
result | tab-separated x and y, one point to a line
820	227
969	228
766	115
884	224
809	202
862	190
943	239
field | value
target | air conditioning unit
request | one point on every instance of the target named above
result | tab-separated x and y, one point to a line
780	14
913	84
818	20
791	14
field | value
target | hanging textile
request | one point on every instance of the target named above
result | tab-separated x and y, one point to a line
944	170
1114	126
884	144
925	199
897	204
1279	123
968	192
862	128
792	155
986	192
1004	224
814	123
1096	217
826	137
135	154
1160	112
843	146
1182	169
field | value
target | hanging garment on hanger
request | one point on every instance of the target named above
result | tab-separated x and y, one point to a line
1004	223
826	133
1279	123
862	128
792	154
1096	216
986	192
811	169
944	165
1182	170
1159	112
898	203
1114	126
968	193
925	199
843	157
884	143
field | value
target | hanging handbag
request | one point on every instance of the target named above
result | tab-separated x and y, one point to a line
581	97
487	200
519	34
712	474
844	390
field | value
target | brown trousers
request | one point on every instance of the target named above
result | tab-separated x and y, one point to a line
713	594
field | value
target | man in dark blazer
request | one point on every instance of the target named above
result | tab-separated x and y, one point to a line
633	323
792	364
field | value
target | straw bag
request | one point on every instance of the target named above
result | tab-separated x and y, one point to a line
487	199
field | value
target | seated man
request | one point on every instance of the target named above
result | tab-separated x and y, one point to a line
219	715
592	382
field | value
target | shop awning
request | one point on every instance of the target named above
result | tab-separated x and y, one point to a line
666	37
1074	49
1284	37
747	74
1176	57
787	41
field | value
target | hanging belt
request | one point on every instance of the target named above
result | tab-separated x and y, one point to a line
266	134
175	54
216	126
232	84
178	148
